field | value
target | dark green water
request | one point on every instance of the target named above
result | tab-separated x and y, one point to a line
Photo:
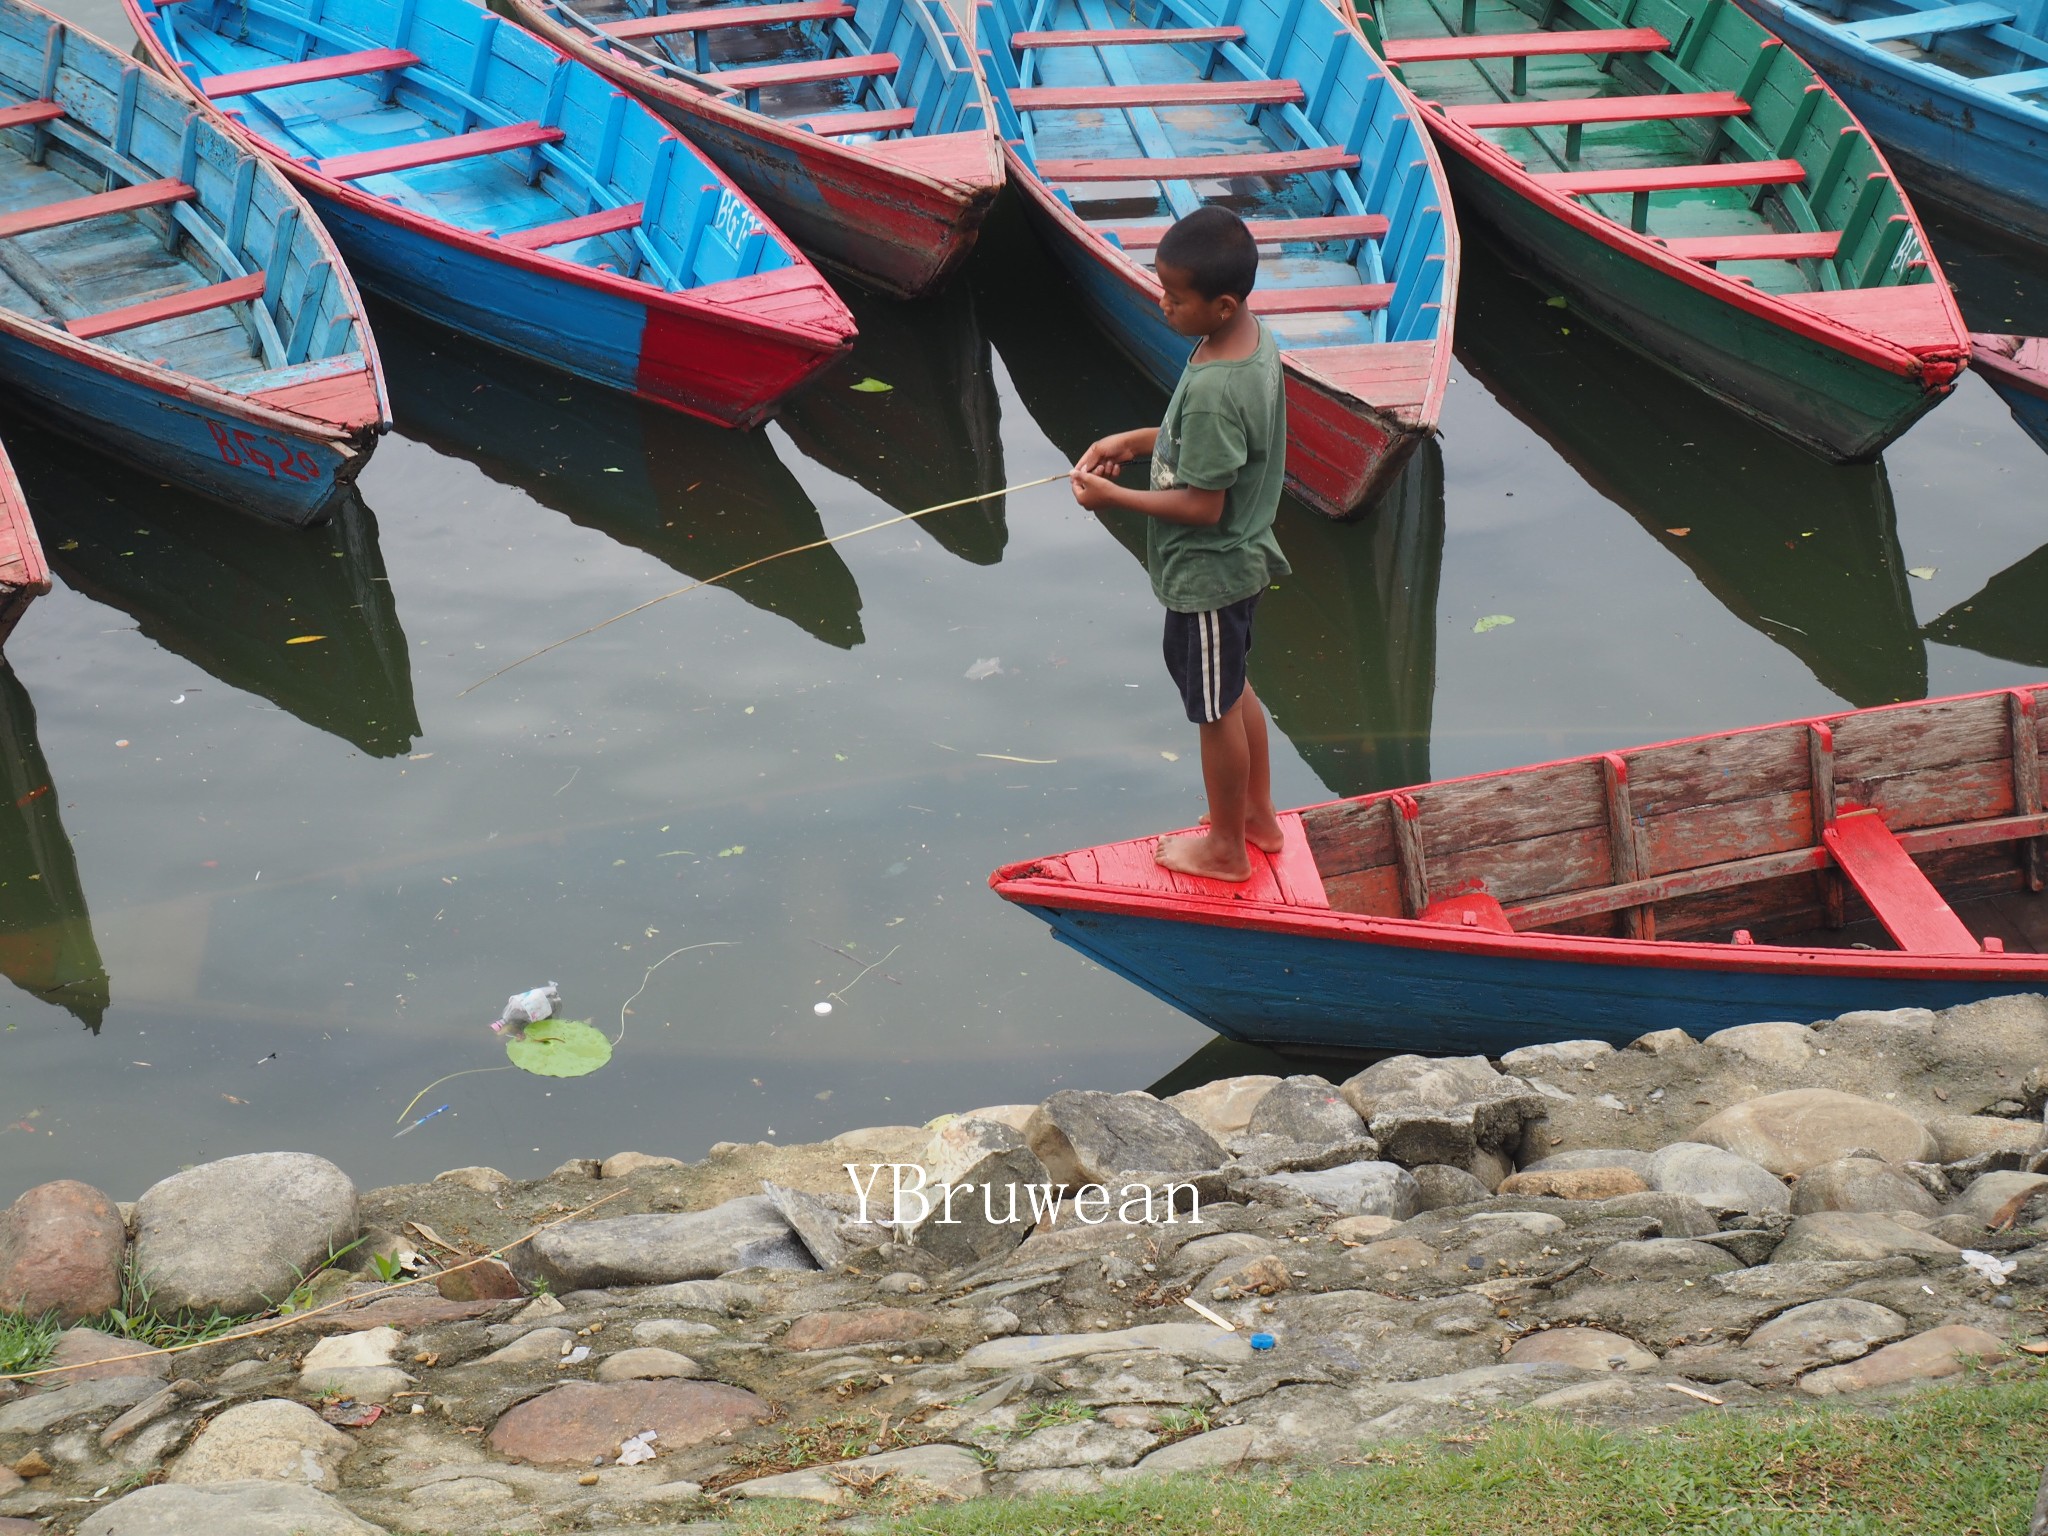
272	890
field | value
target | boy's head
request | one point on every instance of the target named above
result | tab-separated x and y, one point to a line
1207	264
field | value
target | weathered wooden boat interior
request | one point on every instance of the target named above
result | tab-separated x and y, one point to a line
1997	47
127	219
1914	827
1681	119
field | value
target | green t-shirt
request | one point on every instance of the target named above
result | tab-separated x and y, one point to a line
1225	430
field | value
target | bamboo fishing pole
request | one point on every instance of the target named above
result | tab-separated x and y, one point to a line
780	554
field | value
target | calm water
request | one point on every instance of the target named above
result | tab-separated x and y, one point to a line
273	890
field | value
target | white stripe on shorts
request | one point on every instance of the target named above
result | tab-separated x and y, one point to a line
1205	623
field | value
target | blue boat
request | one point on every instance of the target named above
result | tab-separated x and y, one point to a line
1956	94
165	296
2017	367
475	176
1881	858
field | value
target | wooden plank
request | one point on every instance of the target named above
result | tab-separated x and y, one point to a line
74	210
332	66
1497	810
1125	37
30	112
1357	298
1365	226
1469	909
1945	18
1375	892
236	290
1717	770
1624	855
857	66
1526	45
1934	734
1885	876
1348	836
1801	245
897	120
1532	869
455	146
1600	109
1931	797
606	221
1673	178
1717	833
1166	93
724	17
1294	867
1278	162
2026	776
1820	755
2018	83
1403	818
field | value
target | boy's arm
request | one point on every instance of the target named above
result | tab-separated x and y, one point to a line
1183	504
1107	455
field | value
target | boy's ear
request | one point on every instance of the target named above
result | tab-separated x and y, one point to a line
1227	306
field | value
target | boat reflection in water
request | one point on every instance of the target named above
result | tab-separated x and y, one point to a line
934	436
698	498
46	942
1800	550
2005	619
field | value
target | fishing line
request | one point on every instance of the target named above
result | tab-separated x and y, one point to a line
837	538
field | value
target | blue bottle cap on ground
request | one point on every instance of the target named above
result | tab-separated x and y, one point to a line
1263	1341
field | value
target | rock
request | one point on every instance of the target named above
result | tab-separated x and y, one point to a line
1355	1229
747	1233
548	1344
1719	1179
1925	1357
1015	1116
1990	1193
1676	1215
1440	1110
1792	1131
1855	1235
1087	1443
1356	1189
273	1440
1563	1056
648	1364
485	1181
226	1509
1589	1349
1957	1137
144	1413
1438	1186
726	1296
1663	1042
940	1471
580	1421
1859	1184
1594	1157
10	1480
1224	1107
34	1464
1234	1446
60	1251
237	1234
1096	1138
620	1164
40	1412
1391	1256
1236	1279
1663	1258
487	1280
89	1355
976	1204
901	1283
1576	1183
356	1365
665	1331
1821	1332
815	1221
844	1330
1306	1109
1785	1046
587	1167
1192	1341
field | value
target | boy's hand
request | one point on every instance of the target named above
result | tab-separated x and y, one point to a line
1107	455
1094	492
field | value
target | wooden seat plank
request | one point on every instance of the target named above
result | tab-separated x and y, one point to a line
1818	245
1472	909
1674	178
236	290
74	210
1886	877
1178	93
721	18
855	66
2016	84
455	146
1125	37
332	66
1322	301
1526	45
895	120
1294	866
1361	226
1945	18
1279	162
1600	109
605	221
30	112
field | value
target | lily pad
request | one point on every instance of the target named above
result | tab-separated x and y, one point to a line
1492	621
872	387
560	1048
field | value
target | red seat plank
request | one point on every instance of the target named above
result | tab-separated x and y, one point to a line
1123	37
1184	93
810	71
718	18
1279	162
1294	866
30	112
1475	910
73	210
456	146
1362	226
894	121
606	221
333	66
1819	245
1903	898
236	290
1600	109
1321	301
1674	178
1527	45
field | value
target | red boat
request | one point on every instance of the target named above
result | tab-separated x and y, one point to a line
23	575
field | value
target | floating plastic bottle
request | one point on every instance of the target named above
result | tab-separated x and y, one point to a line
524	1008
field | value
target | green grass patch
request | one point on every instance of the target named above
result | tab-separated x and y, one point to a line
25	1342
1963	1461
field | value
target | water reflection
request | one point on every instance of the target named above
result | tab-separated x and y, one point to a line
1803	551
232	594
700	499
2005	618
935	435
46	942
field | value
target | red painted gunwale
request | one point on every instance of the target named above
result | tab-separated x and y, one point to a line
2020	362
1221	905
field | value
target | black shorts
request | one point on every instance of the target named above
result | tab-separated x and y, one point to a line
1205	653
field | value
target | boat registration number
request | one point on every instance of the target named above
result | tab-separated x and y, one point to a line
735	221
245	450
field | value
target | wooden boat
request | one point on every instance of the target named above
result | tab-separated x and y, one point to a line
165	296
1685	180
1880	858
1114	131
861	126
23	574
2017	367
1957	94
475	176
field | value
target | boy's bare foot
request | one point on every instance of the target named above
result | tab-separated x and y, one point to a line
1205	856
1262	832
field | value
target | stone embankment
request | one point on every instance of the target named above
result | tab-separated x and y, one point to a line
1775	1214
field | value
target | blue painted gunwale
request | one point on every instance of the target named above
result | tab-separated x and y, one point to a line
1980	151
185	399
1364	387
729	316
2017	367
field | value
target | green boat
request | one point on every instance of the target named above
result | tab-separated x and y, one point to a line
1693	188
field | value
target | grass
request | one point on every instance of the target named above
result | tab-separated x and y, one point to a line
1963	1461
25	1342
136	1318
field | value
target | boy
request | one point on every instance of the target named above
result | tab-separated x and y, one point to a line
1217	464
